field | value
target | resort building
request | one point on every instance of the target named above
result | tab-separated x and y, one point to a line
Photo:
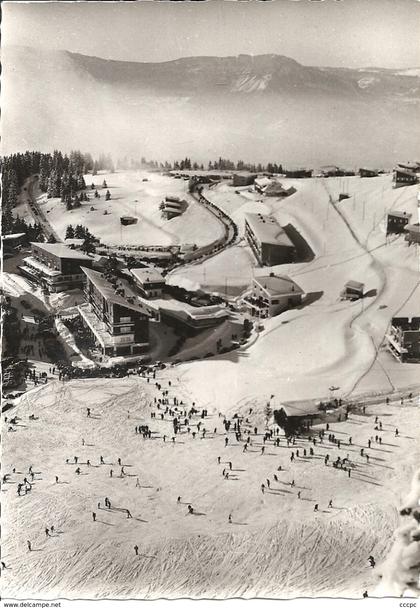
268	241
12	242
331	171
243	179
272	294
368	173
298	173
397	221
191	317
55	266
403	337
172	206
149	281
353	290
117	321
404	177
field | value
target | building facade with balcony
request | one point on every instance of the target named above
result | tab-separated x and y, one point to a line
268	240
55	266
273	294
149	281
397	221
118	322
403	336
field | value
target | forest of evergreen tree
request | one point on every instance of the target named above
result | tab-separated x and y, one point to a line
59	175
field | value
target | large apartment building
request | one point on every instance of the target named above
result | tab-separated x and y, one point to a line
118	322
55	266
268	240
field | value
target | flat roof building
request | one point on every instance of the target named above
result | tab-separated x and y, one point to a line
298	173
396	221
272	294
404	177
353	290
403	337
118	322
55	266
149	281
268	240
243	179
368	173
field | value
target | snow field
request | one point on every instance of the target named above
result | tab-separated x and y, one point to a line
276	546
131	196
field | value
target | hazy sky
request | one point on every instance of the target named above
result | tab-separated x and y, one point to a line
351	33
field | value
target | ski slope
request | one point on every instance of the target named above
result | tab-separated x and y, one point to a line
276	546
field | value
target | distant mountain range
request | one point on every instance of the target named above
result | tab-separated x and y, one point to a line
266	107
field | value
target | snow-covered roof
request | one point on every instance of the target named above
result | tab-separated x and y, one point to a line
280	285
354	285
404	171
147	275
11	237
402	214
61	251
267	230
76	242
34	263
106	289
263	181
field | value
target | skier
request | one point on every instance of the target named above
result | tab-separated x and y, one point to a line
94	516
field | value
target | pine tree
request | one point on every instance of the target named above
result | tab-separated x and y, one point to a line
69	232
78	232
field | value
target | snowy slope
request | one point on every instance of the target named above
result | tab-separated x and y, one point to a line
277	546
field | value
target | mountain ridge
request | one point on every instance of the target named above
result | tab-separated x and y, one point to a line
256	108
